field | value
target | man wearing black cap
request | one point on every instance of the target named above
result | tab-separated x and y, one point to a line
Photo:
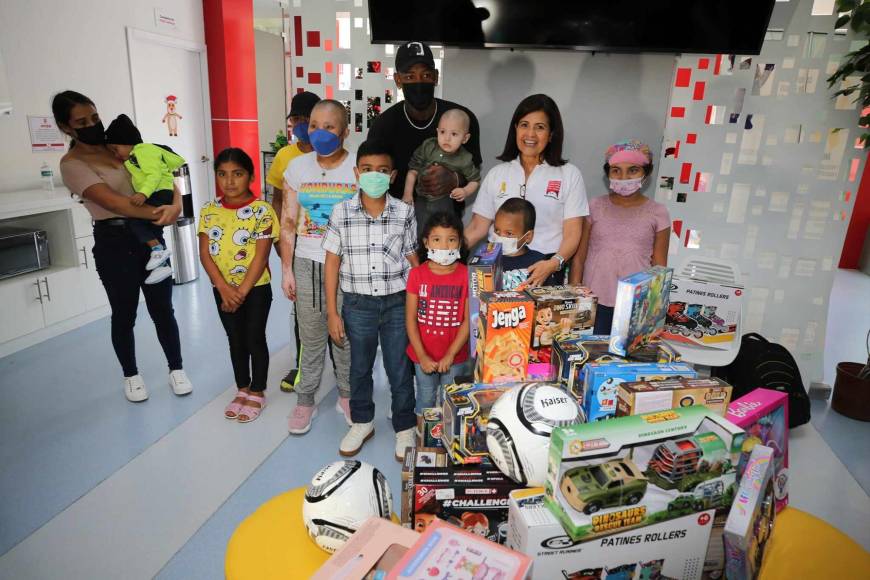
405	125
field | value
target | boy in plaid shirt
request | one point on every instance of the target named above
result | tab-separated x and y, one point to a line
370	244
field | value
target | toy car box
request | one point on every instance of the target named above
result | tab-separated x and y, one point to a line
650	396
377	546
559	311
601	383
680	544
751	519
466	413
702	313
473	497
763	414
445	551
571	354
611	476
430	428
484	275
639	310
505	330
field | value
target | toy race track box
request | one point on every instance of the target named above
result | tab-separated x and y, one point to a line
559	311
572	353
601	383
649	396
430	427
611	476
445	551
484	275
505	329
466	413
679	544
377	546
473	497
640	309
702	313
763	414
751	519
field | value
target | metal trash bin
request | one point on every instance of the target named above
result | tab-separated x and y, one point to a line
185	250
182	183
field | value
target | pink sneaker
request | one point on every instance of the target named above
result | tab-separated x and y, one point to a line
300	419
343	406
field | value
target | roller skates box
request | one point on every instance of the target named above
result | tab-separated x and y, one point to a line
703	313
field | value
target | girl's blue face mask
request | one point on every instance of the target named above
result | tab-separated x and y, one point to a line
300	131
324	142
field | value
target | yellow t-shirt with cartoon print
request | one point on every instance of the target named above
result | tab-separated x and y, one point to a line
233	233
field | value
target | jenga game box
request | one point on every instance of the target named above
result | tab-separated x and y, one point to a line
466	415
559	311
473	497
484	275
505	332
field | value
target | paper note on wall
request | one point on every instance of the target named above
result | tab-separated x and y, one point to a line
778	201
751	141
794	224
835	147
725	165
750	241
737	203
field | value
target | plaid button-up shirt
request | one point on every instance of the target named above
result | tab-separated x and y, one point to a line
372	250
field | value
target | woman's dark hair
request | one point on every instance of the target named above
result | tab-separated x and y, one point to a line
442	219
532	103
237	156
647	169
62	105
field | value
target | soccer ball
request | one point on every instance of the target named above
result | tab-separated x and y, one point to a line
341	497
520	425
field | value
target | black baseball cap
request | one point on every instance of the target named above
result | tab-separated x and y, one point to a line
302	103
412	53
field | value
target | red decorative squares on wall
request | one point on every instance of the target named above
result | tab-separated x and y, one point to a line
684	75
692	138
685	172
678	112
698	95
297	34
718	64
677	227
300	72
328	67
312	38
313	78
327	45
703	63
329	92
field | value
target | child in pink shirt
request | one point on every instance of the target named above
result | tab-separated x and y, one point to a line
625	231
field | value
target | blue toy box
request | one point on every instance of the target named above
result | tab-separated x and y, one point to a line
484	275
601	383
640	309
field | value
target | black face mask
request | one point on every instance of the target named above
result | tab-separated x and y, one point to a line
93	135
419	95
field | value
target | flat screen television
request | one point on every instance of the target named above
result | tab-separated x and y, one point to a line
679	26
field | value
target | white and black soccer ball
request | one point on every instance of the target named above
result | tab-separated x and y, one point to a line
341	497
520	425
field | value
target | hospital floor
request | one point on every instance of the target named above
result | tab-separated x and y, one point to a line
95	487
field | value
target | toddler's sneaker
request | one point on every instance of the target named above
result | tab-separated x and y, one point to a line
343	406
134	389
158	255
358	434
179	382
300	419
159	275
404	439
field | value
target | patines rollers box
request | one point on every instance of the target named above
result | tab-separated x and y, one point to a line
484	275
672	549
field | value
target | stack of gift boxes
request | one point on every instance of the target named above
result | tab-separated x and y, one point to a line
641	484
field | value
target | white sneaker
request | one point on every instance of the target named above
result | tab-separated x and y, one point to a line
159	275
179	382
405	439
157	258
358	434
134	389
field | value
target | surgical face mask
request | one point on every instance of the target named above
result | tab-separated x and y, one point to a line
93	135
300	131
419	95
509	246
374	183
625	187
324	142
443	257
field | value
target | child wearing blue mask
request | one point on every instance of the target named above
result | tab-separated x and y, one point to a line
371	244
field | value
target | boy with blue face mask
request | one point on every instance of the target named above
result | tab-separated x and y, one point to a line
371	243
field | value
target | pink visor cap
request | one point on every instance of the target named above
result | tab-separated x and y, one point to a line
631	151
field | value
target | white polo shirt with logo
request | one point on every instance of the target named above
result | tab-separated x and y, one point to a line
558	193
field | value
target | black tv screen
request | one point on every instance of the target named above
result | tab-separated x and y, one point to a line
697	26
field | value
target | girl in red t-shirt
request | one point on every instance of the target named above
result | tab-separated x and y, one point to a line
436	315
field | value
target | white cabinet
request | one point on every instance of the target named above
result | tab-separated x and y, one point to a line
93	293
62	295
81	221
22	310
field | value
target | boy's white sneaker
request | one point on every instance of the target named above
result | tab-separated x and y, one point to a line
404	439
159	275
356	436
134	389
157	258
179	382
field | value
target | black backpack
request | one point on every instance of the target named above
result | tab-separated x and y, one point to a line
761	363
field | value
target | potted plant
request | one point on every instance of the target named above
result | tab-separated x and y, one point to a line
854	70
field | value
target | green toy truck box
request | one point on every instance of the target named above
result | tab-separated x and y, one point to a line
610	476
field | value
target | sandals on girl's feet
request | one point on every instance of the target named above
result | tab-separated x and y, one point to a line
232	410
249	412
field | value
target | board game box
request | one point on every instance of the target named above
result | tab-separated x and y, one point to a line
640	309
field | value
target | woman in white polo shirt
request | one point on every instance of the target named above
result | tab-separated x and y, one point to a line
533	169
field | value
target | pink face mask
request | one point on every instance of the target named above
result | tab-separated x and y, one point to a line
625	187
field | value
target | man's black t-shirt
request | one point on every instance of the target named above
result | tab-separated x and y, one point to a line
392	129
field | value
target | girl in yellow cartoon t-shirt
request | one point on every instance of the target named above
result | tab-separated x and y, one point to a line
236	232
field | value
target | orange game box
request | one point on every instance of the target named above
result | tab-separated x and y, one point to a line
505	330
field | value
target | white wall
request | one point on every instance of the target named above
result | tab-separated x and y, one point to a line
270	87
53	45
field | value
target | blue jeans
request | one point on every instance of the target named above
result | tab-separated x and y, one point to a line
430	388
366	320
